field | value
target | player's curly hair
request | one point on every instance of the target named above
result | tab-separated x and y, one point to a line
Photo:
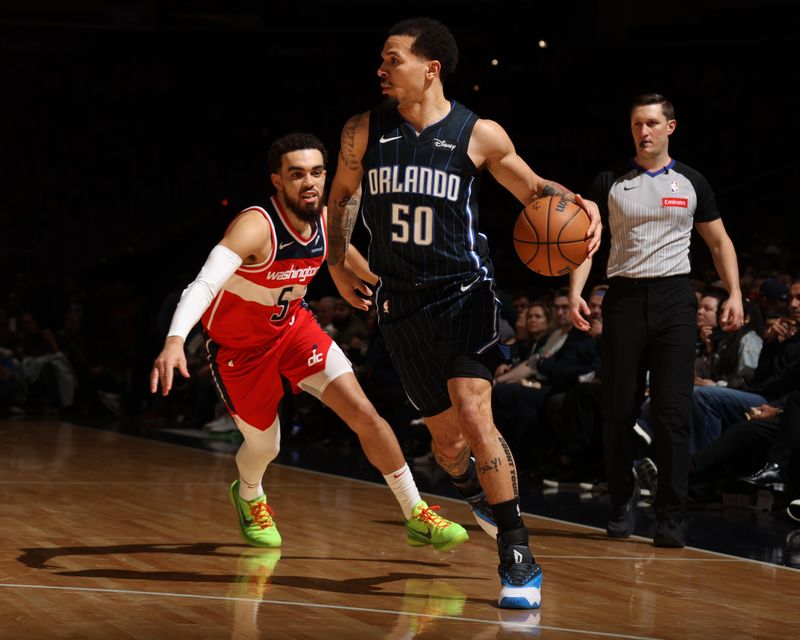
293	142
432	41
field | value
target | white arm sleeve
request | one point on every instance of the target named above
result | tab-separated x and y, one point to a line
221	264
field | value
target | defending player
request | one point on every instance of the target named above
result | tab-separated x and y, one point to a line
249	295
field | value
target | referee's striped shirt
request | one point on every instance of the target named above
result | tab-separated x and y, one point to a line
650	215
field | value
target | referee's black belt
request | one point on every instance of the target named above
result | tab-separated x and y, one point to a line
619	281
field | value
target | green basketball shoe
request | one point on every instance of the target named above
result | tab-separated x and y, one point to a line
427	527
256	520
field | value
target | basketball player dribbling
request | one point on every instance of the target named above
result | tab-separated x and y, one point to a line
249	296
416	160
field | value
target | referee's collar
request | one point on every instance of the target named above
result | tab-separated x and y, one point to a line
657	172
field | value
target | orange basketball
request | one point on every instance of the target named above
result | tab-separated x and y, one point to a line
549	235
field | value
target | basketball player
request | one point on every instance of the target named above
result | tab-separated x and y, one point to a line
249	295
416	160
649	311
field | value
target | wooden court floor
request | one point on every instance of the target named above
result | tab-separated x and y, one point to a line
104	535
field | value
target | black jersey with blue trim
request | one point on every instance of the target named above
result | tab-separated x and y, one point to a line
419	201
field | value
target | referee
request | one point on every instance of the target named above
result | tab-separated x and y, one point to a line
649	205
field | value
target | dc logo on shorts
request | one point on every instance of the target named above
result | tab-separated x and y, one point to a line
315	358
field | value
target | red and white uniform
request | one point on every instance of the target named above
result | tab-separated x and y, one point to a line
259	326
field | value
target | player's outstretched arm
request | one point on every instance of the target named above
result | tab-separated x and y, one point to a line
249	237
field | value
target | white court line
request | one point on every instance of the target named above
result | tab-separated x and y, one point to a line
638	558
315	605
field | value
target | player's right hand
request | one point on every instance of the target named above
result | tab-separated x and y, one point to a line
171	357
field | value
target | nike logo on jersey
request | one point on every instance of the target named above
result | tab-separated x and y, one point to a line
464	287
384	139
283	245
629	188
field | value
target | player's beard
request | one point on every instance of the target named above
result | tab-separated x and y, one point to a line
306	212
390	102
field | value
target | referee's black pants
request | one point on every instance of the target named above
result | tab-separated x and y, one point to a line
649	325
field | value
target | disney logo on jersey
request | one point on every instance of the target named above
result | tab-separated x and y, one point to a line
414	179
444	144
291	273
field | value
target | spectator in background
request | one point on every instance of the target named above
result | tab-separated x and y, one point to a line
773	299
350	331
517	395
48	376
709	332
8	365
779	429
772	433
595	303
574	418
324	312
716	408
522	340
734	360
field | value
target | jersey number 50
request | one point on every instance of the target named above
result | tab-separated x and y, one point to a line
416	225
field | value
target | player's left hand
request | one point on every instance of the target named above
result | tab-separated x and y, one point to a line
350	285
595	229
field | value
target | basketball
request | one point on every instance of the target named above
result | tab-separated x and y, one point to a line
549	235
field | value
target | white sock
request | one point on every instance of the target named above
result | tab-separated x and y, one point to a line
402	484
260	447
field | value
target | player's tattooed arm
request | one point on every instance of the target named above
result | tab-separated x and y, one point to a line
347	152
343	206
555	189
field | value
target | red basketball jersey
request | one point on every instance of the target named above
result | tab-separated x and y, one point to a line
260	300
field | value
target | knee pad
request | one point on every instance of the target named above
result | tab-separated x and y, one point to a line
266	442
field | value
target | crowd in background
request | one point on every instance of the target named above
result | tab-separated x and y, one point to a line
81	351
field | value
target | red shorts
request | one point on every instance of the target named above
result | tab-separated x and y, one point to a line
249	380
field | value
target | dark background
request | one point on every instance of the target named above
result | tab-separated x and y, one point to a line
133	131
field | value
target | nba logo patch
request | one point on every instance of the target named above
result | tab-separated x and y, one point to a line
386	307
674	186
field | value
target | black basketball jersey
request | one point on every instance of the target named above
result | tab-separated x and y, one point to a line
419	201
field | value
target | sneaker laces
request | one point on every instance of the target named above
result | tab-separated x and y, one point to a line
518	573
262	514
429	516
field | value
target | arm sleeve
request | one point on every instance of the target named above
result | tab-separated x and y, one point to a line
221	264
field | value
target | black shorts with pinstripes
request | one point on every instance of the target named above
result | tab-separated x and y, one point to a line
438	333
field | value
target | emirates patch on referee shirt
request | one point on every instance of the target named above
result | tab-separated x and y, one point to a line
675	202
